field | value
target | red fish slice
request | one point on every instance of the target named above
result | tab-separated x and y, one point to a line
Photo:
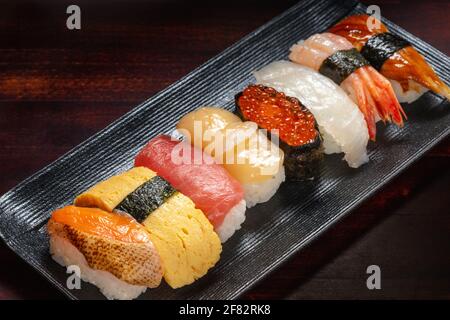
208	184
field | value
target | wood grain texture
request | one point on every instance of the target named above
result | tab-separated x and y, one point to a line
58	87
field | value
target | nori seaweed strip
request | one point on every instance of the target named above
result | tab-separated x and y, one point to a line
341	64
147	198
381	46
303	163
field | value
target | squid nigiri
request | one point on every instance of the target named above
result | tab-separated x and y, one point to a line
335	57
393	56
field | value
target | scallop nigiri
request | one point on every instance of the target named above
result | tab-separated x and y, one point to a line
340	121
113	252
393	56
335	57
243	150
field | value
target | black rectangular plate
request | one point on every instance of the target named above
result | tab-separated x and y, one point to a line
273	231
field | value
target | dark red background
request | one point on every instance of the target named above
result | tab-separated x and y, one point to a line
58	87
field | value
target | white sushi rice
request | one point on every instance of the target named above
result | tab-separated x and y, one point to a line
66	255
415	91
255	193
232	221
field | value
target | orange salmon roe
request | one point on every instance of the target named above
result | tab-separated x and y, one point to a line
274	110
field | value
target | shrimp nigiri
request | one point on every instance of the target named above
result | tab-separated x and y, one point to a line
335	57
393	56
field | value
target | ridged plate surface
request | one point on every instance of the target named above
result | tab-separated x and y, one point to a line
273	231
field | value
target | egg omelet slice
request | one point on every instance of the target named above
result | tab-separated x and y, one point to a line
108	194
185	240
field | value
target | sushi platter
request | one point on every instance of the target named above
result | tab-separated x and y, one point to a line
203	189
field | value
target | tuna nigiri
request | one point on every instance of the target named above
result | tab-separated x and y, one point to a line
335	57
196	175
340	121
113	252
393	56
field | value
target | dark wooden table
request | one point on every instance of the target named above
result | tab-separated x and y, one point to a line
58	87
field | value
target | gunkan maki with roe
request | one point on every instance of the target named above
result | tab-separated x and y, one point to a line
295	126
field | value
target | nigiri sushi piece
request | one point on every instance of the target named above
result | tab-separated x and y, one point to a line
335	57
340	121
113	252
393	56
292	122
196	175
182	235
243	150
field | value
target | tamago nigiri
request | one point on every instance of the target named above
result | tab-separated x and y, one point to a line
181	233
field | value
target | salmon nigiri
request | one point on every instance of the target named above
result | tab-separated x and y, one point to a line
112	251
393	56
335	57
